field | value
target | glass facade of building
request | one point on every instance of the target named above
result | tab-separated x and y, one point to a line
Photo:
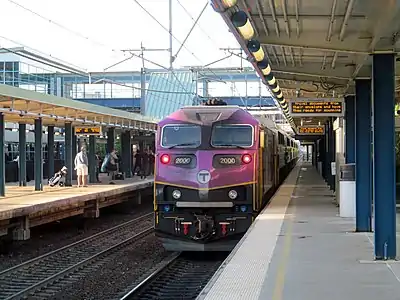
169	91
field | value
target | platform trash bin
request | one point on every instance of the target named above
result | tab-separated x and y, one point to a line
347	188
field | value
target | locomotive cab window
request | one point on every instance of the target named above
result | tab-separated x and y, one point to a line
181	136
231	135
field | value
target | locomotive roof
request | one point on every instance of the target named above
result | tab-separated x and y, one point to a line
206	115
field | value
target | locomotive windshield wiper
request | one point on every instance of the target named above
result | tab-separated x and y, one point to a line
182	145
230	145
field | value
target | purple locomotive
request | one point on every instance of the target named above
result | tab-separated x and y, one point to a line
214	166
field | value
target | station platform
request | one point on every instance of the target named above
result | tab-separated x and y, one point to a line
299	248
23	208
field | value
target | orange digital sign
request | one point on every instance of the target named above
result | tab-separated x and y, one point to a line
311	130
317	108
88	130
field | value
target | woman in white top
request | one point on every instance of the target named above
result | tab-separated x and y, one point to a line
81	167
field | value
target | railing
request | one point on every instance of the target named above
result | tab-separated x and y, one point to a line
50	80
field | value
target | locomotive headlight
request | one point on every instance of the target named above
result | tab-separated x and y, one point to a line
232	194
176	194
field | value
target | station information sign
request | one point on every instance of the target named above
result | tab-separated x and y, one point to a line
85	130
322	108
311	130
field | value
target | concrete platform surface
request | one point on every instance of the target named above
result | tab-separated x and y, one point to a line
304	251
21	201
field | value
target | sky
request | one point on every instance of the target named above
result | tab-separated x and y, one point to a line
92	32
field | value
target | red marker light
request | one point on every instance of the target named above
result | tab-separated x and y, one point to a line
246	158
165	159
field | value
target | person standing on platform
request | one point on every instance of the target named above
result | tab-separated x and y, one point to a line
145	164
151	161
81	167
98	166
112	166
138	160
134	151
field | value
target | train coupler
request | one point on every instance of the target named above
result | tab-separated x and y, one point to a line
205	227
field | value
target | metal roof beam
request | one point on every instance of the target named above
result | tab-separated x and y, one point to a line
314	70
305	16
304	78
317	41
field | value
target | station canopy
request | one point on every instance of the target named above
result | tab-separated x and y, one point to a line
317	48
20	105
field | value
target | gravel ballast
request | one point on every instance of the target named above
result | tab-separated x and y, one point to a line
120	273
54	235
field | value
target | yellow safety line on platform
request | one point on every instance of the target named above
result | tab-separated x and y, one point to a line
280	277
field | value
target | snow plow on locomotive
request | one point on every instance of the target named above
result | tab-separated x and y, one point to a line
215	164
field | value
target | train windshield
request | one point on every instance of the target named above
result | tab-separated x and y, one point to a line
230	135
181	136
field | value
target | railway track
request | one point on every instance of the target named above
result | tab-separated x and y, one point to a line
41	277
182	276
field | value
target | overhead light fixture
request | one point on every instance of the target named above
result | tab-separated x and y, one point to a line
242	24
264	67
256	49
228	3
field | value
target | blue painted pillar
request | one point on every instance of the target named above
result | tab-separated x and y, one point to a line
314	154
350	130
38	163
50	150
325	147
92	159
22	154
363	156
383	71
326	153
329	153
322	154
2	158
110	139
332	154
68	154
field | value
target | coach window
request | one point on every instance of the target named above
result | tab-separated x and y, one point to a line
229	135
181	136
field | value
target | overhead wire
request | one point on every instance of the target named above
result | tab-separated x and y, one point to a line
174	37
166	29
182	44
117	50
76	73
95	42
215	44
99	78
87	38
198	25
60	25
42	53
